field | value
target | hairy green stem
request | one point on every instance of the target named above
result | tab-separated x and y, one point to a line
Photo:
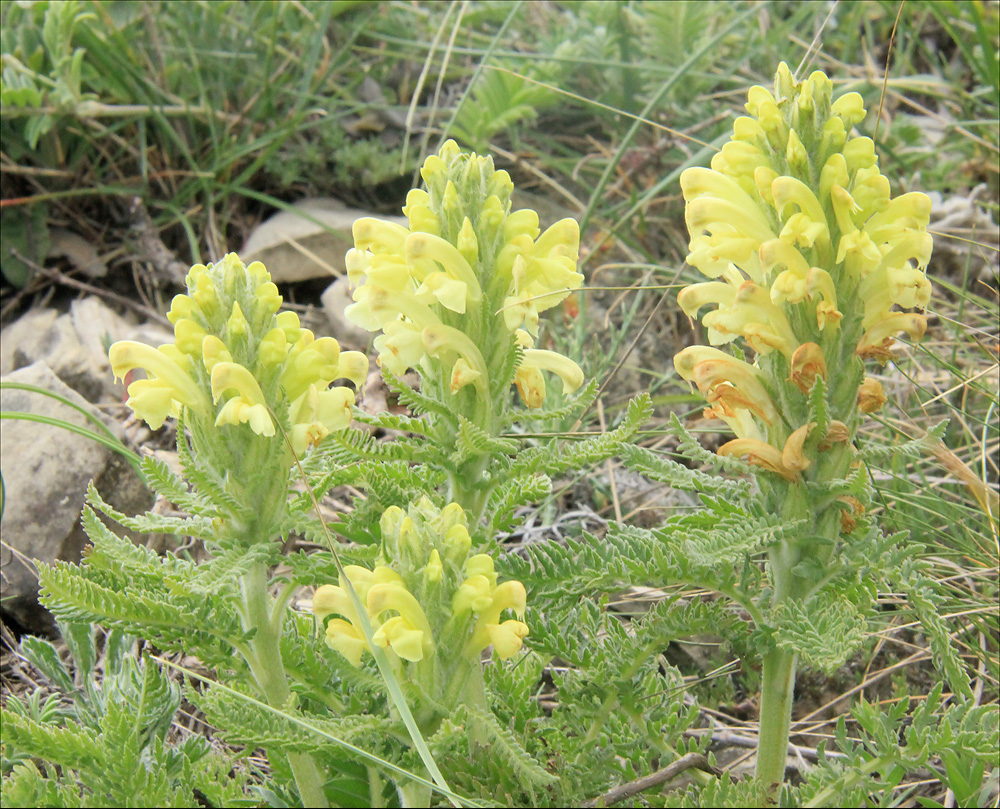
775	717
266	666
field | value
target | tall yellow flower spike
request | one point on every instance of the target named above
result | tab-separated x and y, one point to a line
814	269
816	266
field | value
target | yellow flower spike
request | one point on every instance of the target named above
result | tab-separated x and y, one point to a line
378	235
871	396
877	341
127	355
758	453
214	351
237	323
346	639
507	638
792	456
563	367
248	406
188	337
807	363
181	307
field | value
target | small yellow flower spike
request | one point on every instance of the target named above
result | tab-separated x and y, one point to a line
426	287
233	349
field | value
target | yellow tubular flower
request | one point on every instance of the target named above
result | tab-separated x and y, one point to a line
509	595
248	405
155	399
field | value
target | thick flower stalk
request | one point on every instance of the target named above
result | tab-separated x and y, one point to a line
816	269
434	607
458	293
237	371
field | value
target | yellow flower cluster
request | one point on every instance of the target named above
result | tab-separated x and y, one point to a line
438	289
460	603
811	261
237	360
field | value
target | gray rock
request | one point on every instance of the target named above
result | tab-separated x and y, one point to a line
46	471
308	241
71	344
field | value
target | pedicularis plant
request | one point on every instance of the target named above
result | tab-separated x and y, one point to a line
413	653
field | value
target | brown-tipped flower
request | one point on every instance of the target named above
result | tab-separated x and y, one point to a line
871	397
807	363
